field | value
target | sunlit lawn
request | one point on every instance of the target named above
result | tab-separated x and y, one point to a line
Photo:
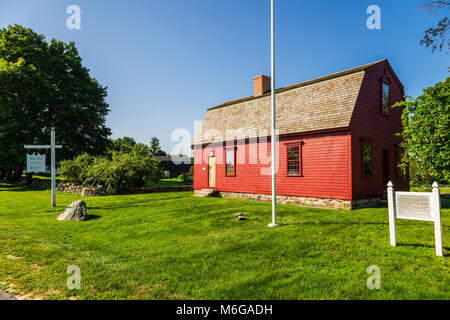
175	246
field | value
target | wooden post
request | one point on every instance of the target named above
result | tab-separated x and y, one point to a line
392	214
437	218
53	169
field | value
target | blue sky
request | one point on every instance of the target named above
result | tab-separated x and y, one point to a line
166	61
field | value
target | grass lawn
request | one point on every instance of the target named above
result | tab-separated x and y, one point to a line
172	182
175	246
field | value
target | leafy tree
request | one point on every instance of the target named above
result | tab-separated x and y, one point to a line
426	132
43	85
15	78
437	36
128	141
124	144
142	150
155	147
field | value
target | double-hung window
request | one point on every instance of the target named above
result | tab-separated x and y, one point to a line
385	99
367	159
294	160
230	161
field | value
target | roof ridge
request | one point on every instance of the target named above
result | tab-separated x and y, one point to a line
302	84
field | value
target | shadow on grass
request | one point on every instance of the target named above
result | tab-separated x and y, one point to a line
12	188
93	217
421	245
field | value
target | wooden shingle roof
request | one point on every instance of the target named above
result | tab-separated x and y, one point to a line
320	104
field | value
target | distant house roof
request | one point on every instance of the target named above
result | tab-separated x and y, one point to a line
320	104
175	164
186	160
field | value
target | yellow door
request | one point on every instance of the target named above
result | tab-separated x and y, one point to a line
212	172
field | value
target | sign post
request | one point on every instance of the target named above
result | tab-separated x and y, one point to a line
53	148
423	206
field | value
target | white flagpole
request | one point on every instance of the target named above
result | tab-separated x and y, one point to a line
273	139
53	166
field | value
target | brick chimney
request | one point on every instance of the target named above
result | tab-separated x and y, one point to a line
261	85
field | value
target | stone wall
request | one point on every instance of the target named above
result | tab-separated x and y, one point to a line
83	191
99	190
335	204
41	184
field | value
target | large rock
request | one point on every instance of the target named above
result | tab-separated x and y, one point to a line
76	211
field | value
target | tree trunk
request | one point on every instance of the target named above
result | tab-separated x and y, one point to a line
28	179
17	177
8	175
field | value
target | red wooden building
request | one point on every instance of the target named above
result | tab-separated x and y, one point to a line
337	145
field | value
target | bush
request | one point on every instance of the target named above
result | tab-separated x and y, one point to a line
74	170
117	174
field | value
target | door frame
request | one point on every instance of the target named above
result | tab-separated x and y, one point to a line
209	172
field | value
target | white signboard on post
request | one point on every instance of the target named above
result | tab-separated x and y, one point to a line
423	206
35	163
53	148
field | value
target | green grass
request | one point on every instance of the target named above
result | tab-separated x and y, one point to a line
175	246
172	182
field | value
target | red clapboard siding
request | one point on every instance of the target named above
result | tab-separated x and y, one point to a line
369	123
325	159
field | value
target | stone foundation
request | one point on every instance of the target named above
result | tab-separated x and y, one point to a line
335	204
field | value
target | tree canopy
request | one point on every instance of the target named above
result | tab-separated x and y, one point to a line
43	85
155	147
426	132
437	37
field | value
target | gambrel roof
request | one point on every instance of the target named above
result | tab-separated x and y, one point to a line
320	104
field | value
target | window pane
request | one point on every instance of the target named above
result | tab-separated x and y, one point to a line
367	159
230	162
385	98
293	160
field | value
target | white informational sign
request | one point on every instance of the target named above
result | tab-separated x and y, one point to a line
35	163
424	206
53	148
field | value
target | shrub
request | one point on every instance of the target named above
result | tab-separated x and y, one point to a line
117	174
73	170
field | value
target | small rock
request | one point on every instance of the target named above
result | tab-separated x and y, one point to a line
239	214
240	218
76	211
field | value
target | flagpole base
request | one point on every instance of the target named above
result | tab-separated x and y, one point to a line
273	225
